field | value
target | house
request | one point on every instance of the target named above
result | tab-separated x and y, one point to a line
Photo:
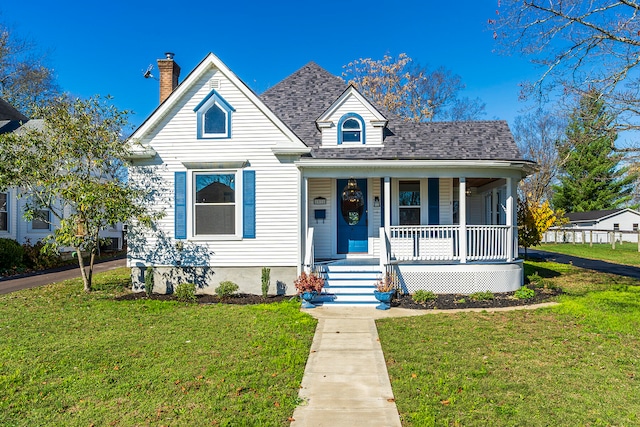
597	227
12	204
312	175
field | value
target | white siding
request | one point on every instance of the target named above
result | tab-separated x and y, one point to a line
373	135
253	136
323	230
446	201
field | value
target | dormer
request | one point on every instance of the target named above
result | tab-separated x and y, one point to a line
351	121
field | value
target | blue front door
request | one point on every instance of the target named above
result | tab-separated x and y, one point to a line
352	216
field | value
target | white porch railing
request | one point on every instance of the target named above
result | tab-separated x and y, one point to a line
309	253
442	242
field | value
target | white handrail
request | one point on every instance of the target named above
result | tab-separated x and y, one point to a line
385	250
309	254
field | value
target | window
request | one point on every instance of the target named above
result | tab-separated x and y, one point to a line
635	227
41	220
351	129
214	117
616	227
409	202
215	203
4	212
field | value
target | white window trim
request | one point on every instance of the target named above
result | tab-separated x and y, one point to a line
8	230
191	212
47	230
206	108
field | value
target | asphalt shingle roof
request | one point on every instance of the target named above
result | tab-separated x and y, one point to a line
7	112
302	97
591	215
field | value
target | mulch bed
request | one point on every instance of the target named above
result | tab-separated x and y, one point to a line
442	302
456	301
240	299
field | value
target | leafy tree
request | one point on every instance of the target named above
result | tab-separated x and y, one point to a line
538	136
581	46
412	91
591	178
67	163
25	79
534	219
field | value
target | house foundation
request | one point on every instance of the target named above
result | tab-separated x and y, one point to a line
207	279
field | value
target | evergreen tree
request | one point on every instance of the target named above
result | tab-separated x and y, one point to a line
590	176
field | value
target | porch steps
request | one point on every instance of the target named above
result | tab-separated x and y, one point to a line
349	283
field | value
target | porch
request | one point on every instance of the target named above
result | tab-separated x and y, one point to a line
444	234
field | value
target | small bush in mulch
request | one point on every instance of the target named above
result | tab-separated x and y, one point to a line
453	301
240	299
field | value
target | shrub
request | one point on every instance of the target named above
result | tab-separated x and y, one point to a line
266	281
481	296
524	293
11	254
421	296
36	257
148	281
186	292
309	283
226	289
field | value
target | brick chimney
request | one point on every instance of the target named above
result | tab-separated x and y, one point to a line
169	73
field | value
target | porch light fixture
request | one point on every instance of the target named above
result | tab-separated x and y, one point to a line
376	202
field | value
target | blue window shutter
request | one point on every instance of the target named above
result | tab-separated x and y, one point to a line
249	204
434	201
180	205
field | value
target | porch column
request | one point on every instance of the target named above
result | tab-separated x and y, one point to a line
510	220
387	205
304	221
462	239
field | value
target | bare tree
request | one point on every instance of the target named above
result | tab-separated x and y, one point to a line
412	91
25	80
538	136
581	45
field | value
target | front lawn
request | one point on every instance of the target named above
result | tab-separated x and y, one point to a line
627	253
574	364
68	358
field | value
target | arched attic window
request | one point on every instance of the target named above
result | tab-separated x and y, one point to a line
214	116
351	129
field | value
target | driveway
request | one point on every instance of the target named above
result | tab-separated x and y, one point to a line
590	264
53	276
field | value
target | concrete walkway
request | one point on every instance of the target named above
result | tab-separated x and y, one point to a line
345	381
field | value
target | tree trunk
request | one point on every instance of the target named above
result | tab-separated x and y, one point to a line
86	281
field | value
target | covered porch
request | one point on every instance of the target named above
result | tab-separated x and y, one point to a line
449	231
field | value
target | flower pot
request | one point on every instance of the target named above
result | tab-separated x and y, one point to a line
384	298
306	299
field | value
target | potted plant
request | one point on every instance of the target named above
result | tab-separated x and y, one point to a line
385	290
308	286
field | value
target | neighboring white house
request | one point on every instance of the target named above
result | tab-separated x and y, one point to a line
597	227
312	175
12	223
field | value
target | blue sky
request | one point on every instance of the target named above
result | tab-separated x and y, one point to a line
104	47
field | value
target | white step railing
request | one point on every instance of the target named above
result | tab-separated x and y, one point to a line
309	253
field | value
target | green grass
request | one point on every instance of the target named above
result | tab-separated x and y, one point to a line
575	364
626	253
68	358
